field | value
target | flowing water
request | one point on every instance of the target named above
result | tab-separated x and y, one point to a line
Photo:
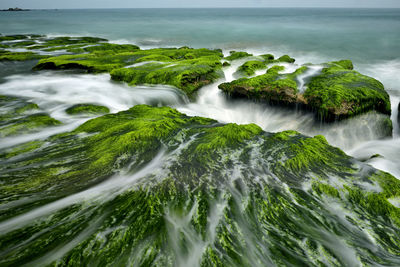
370	38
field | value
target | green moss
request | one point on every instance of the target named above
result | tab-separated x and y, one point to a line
27	107
69	48
286	58
237	55
186	184
376	204
23	43
341	93
326	189
28	124
188	75
267	57
22	149
87	109
249	68
228	135
13	37
187	69
345	64
19	56
271	86
154	57
337	93
307	154
72	40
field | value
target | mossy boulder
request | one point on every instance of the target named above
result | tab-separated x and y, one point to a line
188	69
249	67
340	93
28	124
286	58
336	93
234	55
188	75
155	187
267	57
271	86
87	108
19	116
19	56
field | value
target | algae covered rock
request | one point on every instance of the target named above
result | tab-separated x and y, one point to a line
237	55
19	56
87	108
19	116
286	58
337	92
271	86
154	187
186	68
249	68
188	75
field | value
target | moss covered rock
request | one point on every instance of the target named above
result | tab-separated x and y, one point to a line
286	58
187	69
154	187
87	108
18	37
336	93
249	68
237	55
339	93
188	75
19	56
19	116
271	86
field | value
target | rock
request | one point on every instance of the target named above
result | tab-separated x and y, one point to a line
249	68
336	93
286	58
87	108
186	68
161	184
19	56
398	113
22	117
237	55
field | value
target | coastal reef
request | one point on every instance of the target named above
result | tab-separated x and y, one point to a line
334	92
88	109
19	116
151	186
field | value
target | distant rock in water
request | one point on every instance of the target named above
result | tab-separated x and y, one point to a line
15	9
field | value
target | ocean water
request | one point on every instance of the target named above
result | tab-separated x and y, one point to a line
363	35
369	37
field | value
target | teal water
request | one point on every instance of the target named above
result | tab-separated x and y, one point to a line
364	35
255	215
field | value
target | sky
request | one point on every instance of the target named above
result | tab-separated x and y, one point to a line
50	4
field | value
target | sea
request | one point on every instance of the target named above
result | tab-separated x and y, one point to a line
368	37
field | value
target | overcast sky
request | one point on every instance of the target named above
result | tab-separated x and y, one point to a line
195	3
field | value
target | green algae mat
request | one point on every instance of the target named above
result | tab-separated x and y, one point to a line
335	92
151	186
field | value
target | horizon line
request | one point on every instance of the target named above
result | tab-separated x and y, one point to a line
252	7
